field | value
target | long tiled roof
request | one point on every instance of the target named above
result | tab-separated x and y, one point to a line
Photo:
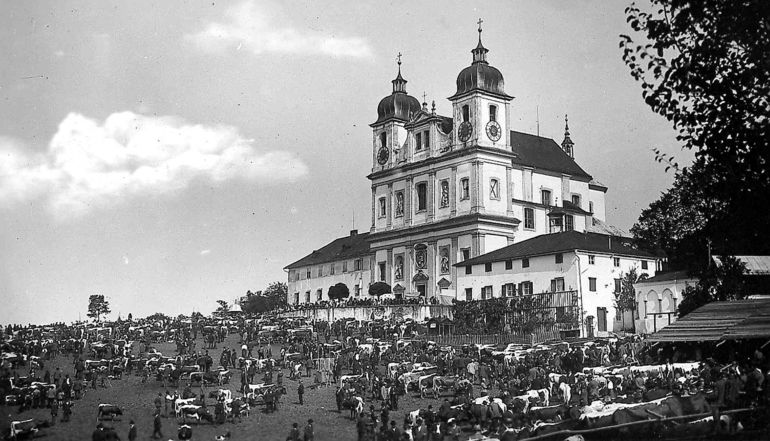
560	242
348	247
738	319
543	153
668	276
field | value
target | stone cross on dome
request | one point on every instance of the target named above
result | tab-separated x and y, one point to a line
480	53
399	84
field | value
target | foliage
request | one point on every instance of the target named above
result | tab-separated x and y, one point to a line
223	307
716	283
159	317
130	317
339	291
521	314
273	297
97	306
704	66
626	298
378	289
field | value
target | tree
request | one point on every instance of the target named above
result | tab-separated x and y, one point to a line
625	300
339	291
159	317
378	289
97	306
273	297
223	307
716	283
704	66
130	317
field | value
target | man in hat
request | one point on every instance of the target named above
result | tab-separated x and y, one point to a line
131	431
293	433
300	391
98	434
309	432
156	426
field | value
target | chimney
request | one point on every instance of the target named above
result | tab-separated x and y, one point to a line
353	233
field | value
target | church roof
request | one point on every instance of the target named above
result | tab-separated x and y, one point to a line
349	247
543	153
557	243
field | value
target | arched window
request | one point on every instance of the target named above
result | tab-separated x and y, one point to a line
492	113
466	113
383	139
652	302
422	196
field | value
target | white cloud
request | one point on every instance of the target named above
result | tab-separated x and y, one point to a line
204	252
91	163
246	26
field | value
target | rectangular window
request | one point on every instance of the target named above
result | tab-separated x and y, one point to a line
466	254
382	271
529	218
426	138
525	262
618	285
488	267
644	264
464	189
591	259
468	294
591	207
357	290
486	292
319	295
592	284
559	258
494	189
331	269
545	197
358	264
616	261
469	269
492	113
307	296
509	290
526	288
399	203
466	113
344	266
576	199
569	222
382	207
422	196
557	284
418	141
509	264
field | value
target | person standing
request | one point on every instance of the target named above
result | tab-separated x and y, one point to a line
309	432
300	391
293	433
156	426
131	431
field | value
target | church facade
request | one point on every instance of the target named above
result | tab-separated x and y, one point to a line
447	189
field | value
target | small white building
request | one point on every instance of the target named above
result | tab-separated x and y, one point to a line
589	264
657	299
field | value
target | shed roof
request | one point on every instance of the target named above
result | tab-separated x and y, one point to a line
738	319
348	247
755	265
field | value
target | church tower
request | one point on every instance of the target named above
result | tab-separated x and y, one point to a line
389	134
567	145
480	104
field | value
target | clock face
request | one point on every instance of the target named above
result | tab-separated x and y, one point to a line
382	155
464	131
493	130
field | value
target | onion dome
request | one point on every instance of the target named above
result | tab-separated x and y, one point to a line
398	105
480	75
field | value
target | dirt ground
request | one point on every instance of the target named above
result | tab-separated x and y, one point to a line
136	400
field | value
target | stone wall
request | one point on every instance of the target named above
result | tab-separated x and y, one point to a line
418	313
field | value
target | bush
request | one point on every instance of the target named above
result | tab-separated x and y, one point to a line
379	288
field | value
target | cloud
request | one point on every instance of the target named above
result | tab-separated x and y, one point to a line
125	260
91	163
246	26
204	252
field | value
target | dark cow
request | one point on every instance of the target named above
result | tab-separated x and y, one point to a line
108	410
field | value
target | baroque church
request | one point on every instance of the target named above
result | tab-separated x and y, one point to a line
452	189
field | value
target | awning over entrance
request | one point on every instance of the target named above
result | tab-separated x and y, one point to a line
739	319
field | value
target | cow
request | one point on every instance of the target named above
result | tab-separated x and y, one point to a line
179	403
441	384
110	410
425	384
356	406
223	377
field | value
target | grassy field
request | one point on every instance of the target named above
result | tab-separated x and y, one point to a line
136	400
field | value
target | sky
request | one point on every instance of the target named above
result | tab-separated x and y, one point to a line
168	154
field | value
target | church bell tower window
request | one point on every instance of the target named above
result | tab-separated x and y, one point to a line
492	113
466	113
383	139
